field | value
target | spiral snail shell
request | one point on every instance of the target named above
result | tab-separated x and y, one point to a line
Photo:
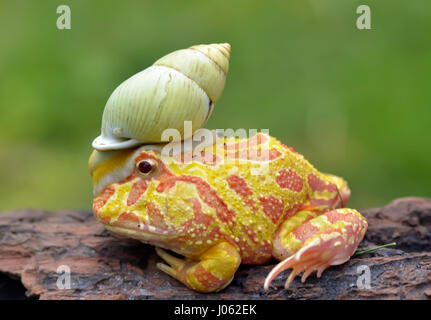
181	86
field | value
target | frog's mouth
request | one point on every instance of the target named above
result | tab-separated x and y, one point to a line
144	233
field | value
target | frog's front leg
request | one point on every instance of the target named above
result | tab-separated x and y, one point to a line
213	271
327	240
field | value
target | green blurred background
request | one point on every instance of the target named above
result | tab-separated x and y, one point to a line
355	103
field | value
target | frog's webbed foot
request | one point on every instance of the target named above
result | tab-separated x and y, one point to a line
213	271
327	240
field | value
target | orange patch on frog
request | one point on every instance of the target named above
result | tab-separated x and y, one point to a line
258	138
305	231
288	148
199	218
138	189
101	200
254	154
206	278
289	179
334	216
249	232
156	219
274	154
247	143
317	184
166	183
214	235
255	253
239	185
206	193
129	217
272	207
212	199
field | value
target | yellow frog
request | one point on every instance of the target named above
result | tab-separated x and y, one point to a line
239	201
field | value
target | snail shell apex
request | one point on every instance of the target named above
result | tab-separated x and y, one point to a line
181	86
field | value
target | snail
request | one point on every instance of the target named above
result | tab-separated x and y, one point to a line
181	86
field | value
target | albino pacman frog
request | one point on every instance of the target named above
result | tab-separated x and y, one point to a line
242	201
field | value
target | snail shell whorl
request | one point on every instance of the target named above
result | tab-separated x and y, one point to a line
207	65
181	86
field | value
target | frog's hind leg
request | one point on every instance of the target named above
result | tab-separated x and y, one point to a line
327	240
212	271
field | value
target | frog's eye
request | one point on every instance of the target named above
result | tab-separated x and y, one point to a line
147	167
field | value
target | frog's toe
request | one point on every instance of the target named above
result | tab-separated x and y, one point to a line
309	259
174	266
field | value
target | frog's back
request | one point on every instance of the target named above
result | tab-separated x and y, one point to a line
261	181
